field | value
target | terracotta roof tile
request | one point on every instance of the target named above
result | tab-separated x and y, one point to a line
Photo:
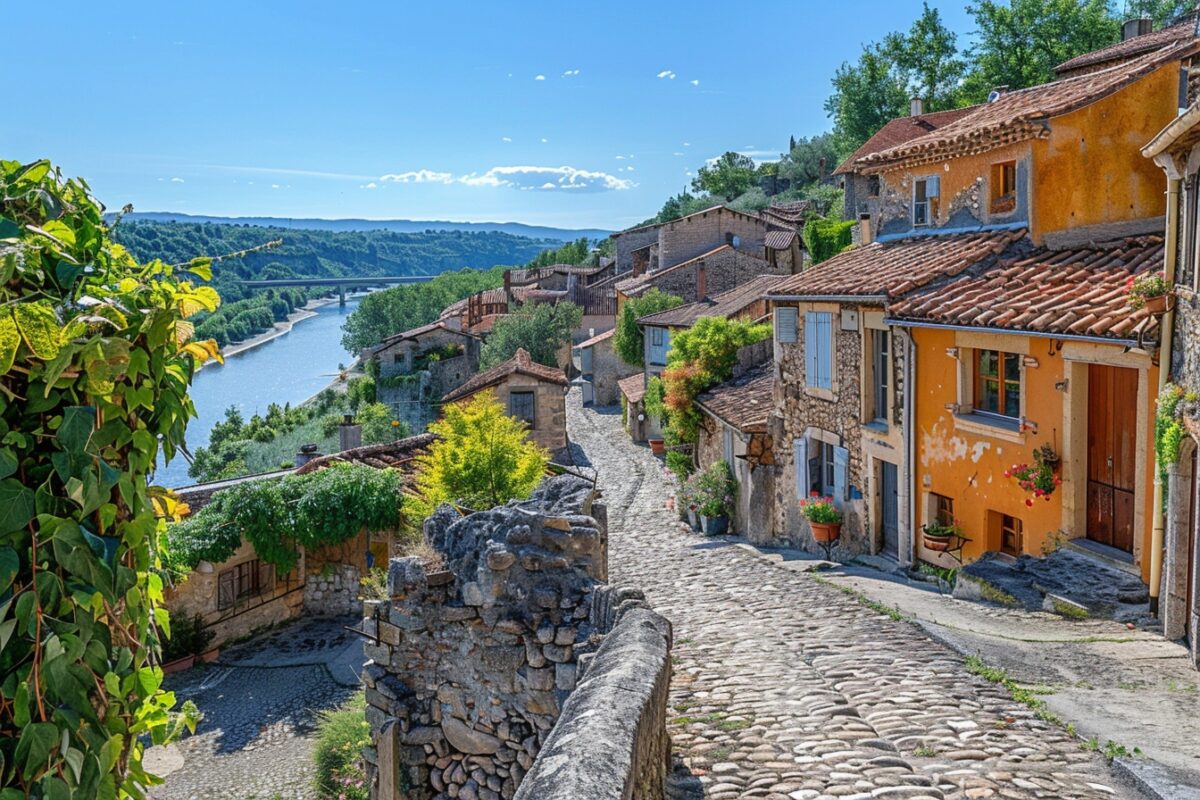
900	130
889	269
633	387
400	454
1130	48
779	240
790	215
744	402
1019	115
1081	291
597	339
418	332
725	304
637	284
521	363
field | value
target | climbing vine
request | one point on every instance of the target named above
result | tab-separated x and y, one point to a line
96	359
1168	428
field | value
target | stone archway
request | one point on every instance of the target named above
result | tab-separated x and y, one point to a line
1179	612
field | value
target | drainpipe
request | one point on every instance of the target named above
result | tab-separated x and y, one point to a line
908	415
1170	257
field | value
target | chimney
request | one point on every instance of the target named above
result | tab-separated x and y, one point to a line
701	282
1133	28
864	228
307	453
916	107
349	434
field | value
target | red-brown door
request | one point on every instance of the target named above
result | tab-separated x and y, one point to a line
1112	438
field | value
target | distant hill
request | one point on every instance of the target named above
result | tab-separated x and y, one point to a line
398	225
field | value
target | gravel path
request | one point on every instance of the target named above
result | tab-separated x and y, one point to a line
786	688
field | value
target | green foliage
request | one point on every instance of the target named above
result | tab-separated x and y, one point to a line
866	96
1029	697
729	176
628	342
1169	430
576	252
701	357
825	238
360	391
277	517
543	329
928	61
681	205
402	308
189	637
1163	12
341	737
94	386
712	491
379	425
654	398
802	165
481	459
820	510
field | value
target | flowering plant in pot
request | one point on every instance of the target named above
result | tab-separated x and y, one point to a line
940	536
823	517
1149	291
715	489
1038	478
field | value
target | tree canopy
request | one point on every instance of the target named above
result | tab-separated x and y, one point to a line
628	342
541	328
727	177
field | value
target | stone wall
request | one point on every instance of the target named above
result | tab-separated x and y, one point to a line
607	370
625	243
683	239
549	407
725	269
333	591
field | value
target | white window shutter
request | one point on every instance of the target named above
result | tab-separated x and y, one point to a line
800	457
933	186
785	324
841	474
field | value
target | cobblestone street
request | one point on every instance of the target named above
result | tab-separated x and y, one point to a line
785	687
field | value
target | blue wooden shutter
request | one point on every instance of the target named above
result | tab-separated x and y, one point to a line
841	474
825	354
811	346
933	186
785	325
800	457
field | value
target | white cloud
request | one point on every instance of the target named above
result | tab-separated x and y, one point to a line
531	178
177	180
506	138
619	158
676	154
666	73
571	73
274	185
370	185
695	83
687	144
544	140
417	176
539	77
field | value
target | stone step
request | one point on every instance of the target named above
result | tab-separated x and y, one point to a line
1110	556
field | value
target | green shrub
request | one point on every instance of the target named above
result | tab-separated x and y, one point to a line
341	737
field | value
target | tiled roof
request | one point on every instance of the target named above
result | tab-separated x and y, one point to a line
725	304
1019	115
455	309
633	387
520	363
417	333
1130	48
744	402
779	240
1078	291
486	323
633	286
901	130
789	214
400	454
598	338
889	269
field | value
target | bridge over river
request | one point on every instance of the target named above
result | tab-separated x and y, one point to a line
342	284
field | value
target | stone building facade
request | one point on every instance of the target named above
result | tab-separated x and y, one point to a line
418	367
686	238
601	369
711	273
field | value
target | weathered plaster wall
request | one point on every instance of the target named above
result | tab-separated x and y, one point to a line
607	370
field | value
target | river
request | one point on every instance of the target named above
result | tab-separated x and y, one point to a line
288	369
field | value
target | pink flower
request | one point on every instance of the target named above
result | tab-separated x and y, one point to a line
1029	502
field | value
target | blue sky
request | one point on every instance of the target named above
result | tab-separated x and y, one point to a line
566	114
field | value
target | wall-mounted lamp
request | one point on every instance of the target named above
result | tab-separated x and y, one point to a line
1062	385
952	352
1030	362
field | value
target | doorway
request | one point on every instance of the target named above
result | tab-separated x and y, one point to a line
889	507
1111	455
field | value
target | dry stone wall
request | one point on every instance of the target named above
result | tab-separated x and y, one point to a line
471	665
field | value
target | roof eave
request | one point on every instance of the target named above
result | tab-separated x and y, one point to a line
1066	337
870	299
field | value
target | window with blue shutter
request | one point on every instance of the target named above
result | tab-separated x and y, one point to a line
841	475
818	349
800	462
785	324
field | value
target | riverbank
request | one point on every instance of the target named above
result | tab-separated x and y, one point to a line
307	311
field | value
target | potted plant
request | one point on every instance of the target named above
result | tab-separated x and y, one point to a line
823	517
1149	291
940	537
1037	478
657	446
188	638
715	488
203	640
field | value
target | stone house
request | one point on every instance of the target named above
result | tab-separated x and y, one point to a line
600	369
652	248
718	270
784	252
419	366
1177	150
531	392
1023	344
735	430
244	594
637	421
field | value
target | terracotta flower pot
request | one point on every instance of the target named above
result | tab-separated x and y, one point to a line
826	531
1157	306
179	664
658	447
938	543
210	656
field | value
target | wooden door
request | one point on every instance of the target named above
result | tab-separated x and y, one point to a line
889	504
1112	438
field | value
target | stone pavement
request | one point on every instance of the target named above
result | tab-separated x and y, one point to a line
786	688
261	703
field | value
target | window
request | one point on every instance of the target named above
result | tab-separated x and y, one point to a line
821	467
656	337
925	200
245	580
881	374
660	342
818	349
785	324
998	383
398	358
943	509
520	406
727	445
1004	187
1009	530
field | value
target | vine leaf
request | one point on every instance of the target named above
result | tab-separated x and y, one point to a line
10	563
76	429
39	328
33	750
9	340
8	462
16	505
